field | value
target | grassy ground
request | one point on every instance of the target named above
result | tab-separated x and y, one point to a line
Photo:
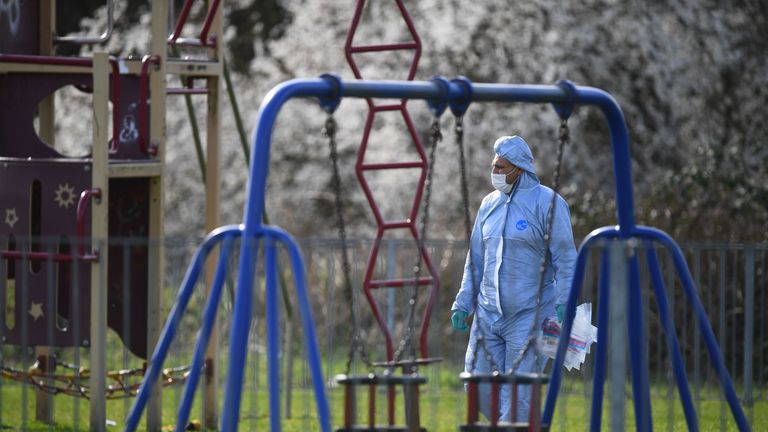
442	409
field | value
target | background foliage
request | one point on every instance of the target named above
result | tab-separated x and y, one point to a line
690	76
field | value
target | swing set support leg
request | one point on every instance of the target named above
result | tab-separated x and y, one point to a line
598	383
635	333
637	344
672	344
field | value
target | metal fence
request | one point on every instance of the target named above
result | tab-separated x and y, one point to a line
45	356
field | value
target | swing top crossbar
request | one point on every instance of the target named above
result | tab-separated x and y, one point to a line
564	96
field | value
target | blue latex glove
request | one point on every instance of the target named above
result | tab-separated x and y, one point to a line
560	309
459	320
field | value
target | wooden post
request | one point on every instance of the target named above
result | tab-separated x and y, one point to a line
534	420
350	405
47	107
212	183
156	265
472	408
411	400
494	403
513	407
43	407
99	224
47	25
372	405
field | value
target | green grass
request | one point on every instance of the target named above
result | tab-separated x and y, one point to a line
442	409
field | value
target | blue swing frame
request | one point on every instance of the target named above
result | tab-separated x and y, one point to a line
440	94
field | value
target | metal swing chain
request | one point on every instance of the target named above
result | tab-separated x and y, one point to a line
356	345
407	343
459	138
564	138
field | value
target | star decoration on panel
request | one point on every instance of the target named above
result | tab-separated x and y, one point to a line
36	310
11	217
65	195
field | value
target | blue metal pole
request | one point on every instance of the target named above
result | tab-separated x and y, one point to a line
640	385
701	317
749	325
672	344
308	325
171	325
238	337
622	163
253	214
570	315
273	343
598	381
209	319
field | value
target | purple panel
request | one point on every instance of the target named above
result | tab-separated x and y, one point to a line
129	123
24	93
40	198
20	26
128	261
49	288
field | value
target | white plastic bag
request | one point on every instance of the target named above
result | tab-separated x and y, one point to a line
583	334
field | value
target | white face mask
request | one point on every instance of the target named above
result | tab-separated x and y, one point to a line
499	181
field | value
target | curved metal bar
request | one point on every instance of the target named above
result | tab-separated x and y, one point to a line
622	163
85	40
82	203
672	344
310	337
701	317
241	325
201	344
174	318
144	143
254	212
13	255
570	314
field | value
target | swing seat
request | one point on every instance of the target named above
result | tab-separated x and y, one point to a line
496	380
410	384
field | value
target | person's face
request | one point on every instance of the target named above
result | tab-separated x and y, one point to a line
503	166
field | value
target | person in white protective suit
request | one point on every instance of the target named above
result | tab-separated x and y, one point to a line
502	271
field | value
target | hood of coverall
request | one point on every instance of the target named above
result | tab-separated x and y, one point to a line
515	150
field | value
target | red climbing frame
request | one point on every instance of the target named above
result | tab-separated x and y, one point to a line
421	164
203	40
